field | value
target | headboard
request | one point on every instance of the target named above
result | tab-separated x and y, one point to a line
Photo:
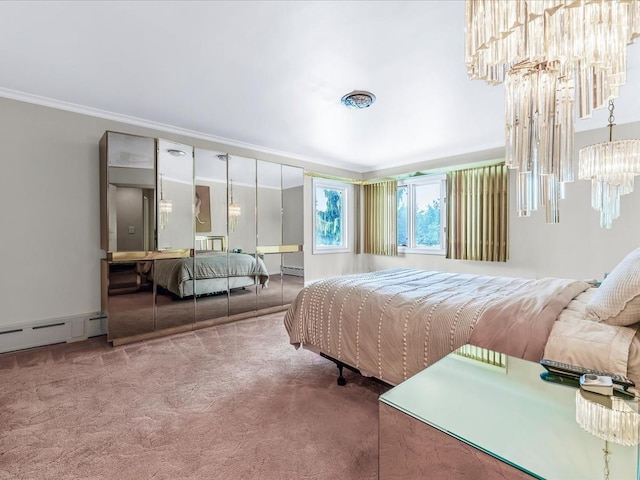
211	243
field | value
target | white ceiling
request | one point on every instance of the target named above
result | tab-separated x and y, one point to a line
270	75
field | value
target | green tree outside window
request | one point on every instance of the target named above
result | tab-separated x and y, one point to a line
328	217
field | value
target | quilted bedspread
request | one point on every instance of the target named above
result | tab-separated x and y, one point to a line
391	324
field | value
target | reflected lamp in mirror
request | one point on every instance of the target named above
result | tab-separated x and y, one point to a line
164	208
235	210
609	418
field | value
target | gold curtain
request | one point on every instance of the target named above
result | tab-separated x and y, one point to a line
357	230
477	213
380	218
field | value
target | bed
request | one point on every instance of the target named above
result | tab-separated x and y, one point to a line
391	324
213	272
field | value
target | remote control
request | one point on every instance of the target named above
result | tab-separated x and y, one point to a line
618	390
574	371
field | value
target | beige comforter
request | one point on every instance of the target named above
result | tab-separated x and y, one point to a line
391	324
577	340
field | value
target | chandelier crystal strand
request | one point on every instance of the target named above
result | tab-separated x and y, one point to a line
619	423
235	210
611	166
548	53
164	208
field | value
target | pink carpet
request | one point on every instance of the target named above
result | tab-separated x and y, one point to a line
229	402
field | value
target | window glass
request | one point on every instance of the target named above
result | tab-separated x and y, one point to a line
421	214
403	223
427	215
330	225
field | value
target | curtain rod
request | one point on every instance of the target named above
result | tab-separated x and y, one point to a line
403	176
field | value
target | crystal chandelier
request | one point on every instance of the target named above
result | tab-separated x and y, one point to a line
164	208
234	210
549	54
611	167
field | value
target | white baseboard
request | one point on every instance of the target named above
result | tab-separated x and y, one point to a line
50	331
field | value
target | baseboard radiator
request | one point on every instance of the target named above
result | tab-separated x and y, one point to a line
483	355
296	271
51	331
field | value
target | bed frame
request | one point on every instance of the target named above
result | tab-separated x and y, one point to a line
469	352
341	365
216	285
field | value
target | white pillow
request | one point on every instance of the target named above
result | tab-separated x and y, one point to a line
617	300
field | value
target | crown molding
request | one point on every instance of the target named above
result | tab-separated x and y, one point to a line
141	122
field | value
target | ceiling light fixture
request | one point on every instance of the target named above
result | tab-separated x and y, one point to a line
358	99
548	54
611	167
175	152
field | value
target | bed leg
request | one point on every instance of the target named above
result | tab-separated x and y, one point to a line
341	380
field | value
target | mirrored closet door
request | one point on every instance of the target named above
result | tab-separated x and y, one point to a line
146	210
210	216
247	272
292	232
127	214
280	234
174	275
269	192
194	237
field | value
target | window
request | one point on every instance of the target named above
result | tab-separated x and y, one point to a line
422	214
330	226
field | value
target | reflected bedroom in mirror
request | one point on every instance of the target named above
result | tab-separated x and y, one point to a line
194	237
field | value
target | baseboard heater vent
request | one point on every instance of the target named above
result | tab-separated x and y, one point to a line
295	271
49	332
38	327
10	331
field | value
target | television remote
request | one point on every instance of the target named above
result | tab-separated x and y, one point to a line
574	382
574	371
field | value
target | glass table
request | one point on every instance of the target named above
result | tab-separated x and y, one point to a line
463	419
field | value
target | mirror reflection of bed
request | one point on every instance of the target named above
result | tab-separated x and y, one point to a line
212	277
132	299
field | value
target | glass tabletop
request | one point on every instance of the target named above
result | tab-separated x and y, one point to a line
513	415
